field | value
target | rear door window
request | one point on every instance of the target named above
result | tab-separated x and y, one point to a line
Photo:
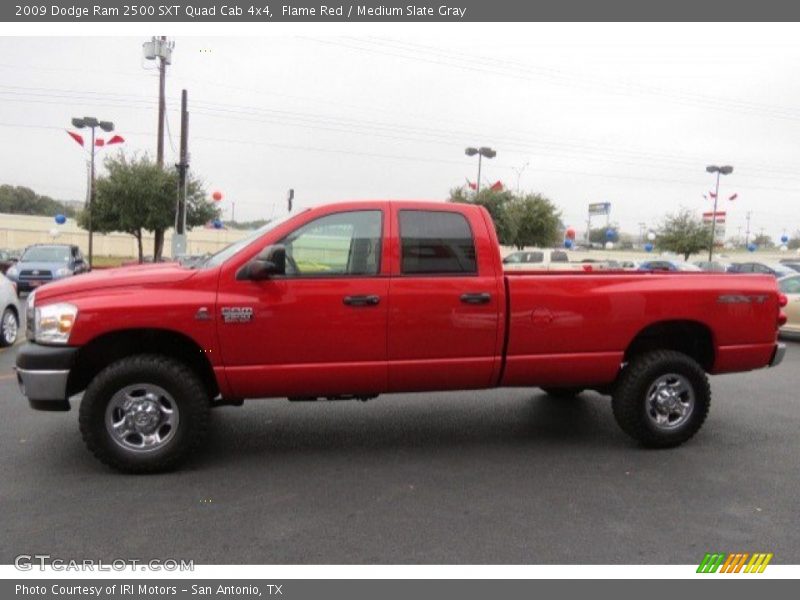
436	242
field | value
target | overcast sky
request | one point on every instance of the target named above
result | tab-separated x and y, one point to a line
625	115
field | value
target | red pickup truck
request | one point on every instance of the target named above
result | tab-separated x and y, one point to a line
356	299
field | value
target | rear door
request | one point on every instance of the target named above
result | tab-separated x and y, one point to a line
444	301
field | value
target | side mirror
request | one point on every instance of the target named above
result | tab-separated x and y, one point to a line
270	261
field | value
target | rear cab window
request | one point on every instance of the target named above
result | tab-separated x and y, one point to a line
436	243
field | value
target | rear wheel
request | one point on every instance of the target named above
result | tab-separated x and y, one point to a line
662	398
9	327
144	414
562	392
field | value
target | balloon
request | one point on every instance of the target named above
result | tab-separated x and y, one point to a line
784	238
570	233
648	247
751	247
568	243
217	196
54	232
610	234
609	245
651	236
217	224
61	219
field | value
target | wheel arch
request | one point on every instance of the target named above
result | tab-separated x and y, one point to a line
105	349
690	337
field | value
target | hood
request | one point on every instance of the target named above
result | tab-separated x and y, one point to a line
133	276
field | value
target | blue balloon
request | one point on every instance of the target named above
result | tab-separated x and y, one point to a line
610	234
648	247
217	224
61	219
751	247
567	243
784	238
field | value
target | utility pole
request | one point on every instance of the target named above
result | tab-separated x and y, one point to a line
179	238
162	105
747	230
159	48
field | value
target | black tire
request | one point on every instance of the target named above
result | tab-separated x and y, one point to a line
184	392
637	416
8	313
562	392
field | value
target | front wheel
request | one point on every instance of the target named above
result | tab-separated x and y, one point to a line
144	414
9	328
662	398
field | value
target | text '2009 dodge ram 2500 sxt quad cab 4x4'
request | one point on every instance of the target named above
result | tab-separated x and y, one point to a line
357	299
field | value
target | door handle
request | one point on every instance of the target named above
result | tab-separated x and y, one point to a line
361	300
476	298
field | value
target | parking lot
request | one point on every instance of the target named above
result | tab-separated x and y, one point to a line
504	476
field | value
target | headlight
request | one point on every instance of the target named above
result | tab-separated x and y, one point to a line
12	271
53	323
63	272
29	315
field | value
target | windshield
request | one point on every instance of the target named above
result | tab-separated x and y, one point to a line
46	254
220	257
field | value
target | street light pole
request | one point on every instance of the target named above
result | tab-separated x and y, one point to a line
92	123
481	152
726	170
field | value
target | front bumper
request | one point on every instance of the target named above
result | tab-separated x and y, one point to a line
43	375
777	356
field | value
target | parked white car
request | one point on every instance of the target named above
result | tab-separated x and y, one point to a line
537	259
9	312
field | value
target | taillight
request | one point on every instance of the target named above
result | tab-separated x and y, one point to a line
782	301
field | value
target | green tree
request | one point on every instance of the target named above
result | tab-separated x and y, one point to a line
684	234
598	235
536	221
20	200
763	241
794	241
136	195
520	219
496	203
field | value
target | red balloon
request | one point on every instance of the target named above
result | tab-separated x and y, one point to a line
217	196
570	233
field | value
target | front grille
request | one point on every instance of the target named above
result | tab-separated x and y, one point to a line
35	275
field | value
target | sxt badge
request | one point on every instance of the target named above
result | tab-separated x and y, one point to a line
237	314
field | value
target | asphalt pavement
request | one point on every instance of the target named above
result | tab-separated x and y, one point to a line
497	477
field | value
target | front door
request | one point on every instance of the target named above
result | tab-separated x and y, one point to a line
320	329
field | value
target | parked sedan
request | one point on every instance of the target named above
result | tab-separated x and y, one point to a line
7	259
776	270
711	266
790	285
43	263
9	312
666	265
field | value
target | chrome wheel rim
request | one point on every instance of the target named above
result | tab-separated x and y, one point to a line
670	401
142	417
10	328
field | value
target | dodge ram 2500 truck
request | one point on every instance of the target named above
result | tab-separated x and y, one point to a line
357	299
